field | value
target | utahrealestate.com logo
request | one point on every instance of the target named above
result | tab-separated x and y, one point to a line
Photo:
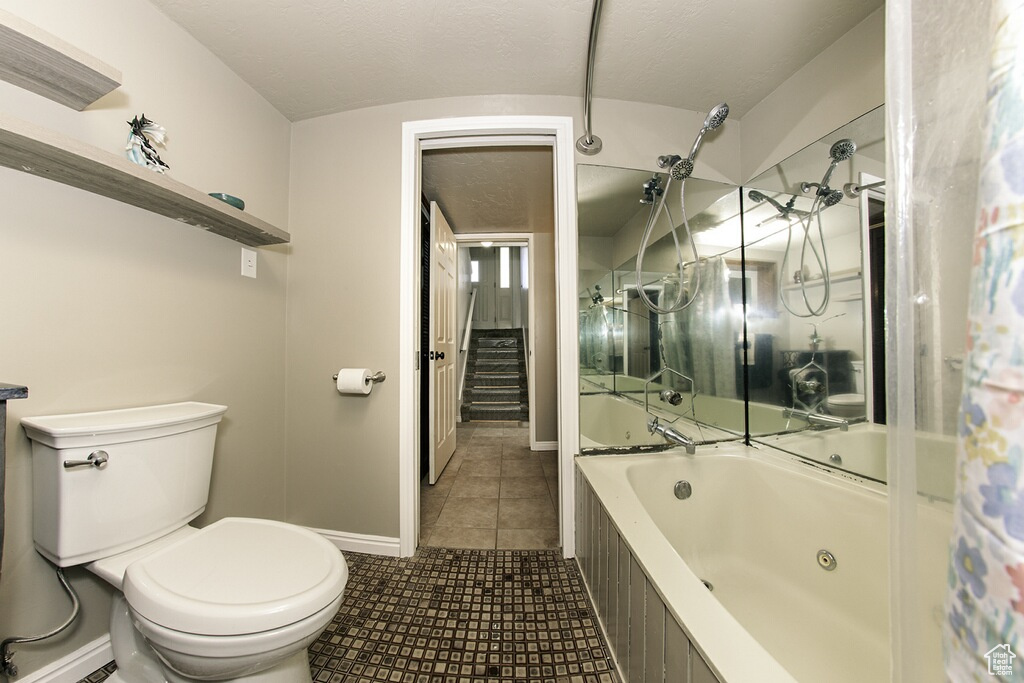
1000	660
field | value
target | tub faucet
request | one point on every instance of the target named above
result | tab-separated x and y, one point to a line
816	418
672	435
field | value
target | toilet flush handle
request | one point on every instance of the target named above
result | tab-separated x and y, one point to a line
96	459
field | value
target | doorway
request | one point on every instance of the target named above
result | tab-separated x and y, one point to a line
558	133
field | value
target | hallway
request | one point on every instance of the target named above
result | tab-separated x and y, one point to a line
495	492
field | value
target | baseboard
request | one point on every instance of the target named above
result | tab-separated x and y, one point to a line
544	446
75	666
362	543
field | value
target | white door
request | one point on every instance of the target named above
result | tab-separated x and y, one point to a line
442	337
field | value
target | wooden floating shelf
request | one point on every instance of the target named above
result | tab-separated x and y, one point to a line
27	147
33	59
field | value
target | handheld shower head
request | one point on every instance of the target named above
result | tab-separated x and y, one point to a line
716	116
843	150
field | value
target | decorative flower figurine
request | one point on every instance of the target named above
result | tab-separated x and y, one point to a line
141	139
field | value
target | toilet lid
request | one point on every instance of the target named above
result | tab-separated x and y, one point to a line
237	576
847	400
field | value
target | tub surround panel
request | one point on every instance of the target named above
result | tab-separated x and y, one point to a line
646	641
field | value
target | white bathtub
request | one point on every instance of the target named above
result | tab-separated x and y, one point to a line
753	527
863	451
610	420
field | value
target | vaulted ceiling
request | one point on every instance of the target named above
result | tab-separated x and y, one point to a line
314	57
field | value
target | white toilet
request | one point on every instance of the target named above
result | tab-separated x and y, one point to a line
239	599
850	405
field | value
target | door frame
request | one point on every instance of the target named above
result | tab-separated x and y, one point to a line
476	131
520	239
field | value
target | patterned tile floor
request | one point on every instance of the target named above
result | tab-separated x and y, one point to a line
461	616
494	493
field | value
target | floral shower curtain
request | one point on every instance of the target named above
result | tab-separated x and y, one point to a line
984	630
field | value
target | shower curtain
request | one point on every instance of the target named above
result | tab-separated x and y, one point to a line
596	345
695	341
984	629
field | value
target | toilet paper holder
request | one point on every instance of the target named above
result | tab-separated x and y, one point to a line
375	378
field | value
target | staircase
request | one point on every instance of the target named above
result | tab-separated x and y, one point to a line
496	377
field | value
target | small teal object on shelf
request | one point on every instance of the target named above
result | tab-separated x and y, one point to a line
229	199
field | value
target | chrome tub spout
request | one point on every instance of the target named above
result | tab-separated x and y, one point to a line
817	419
672	435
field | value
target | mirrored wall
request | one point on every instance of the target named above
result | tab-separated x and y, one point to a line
784	339
639	362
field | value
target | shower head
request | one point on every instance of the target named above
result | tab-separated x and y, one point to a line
682	169
832	198
716	116
757	196
842	150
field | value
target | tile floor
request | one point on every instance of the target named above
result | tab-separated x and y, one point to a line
460	616
494	493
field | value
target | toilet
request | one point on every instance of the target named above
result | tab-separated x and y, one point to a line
850	405
239	599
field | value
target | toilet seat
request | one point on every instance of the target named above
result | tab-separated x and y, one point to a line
237	576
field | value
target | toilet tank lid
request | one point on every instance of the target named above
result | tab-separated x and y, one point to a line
117	426
237	576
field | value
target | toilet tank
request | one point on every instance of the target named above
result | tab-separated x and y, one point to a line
156	478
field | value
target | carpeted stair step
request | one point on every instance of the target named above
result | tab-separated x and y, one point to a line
491	379
500	394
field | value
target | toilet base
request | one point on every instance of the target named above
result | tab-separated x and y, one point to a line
138	662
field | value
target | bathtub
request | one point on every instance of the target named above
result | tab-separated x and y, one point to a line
613	420
862	450
752	528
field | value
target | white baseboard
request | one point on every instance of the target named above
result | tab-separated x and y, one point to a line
74	666
544	446
361	543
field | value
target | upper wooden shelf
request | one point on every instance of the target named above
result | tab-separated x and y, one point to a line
27	147
33	59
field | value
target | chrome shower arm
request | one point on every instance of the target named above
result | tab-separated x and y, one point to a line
589	143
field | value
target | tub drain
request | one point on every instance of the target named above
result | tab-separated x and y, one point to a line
707	584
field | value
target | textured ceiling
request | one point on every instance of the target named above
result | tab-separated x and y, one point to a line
314	57
492	189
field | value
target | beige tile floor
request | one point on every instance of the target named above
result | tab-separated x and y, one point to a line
495	492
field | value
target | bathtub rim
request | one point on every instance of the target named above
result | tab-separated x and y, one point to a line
709	626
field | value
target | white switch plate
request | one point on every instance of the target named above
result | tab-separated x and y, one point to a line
248	262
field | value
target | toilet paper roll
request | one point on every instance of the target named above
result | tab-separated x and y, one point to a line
354	381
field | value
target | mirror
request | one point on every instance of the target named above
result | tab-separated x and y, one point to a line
637	363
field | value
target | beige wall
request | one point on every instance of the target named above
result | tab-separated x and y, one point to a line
837	86
343	286
105	305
